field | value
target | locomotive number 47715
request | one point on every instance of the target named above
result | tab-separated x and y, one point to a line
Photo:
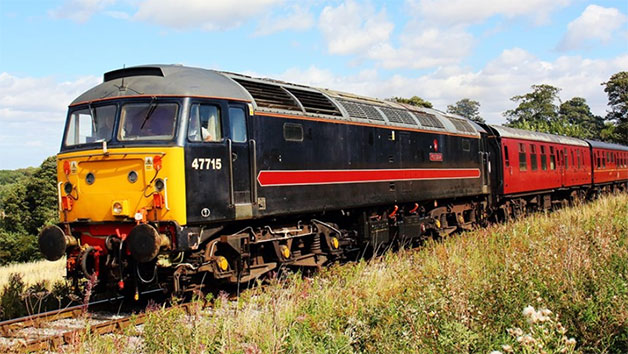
201	163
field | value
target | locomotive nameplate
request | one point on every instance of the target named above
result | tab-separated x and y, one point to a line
436	156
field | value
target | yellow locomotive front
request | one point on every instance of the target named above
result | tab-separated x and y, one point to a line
121	189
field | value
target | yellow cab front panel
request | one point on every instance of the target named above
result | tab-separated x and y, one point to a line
122	184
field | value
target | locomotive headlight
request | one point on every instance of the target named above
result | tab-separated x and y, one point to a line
159	184
89	179
67	187
117	208
120	207
132	177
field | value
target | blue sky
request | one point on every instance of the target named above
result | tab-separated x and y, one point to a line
51	51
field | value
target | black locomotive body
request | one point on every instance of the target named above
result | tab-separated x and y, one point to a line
182	173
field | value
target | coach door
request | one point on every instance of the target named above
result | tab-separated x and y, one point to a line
240	148
561	164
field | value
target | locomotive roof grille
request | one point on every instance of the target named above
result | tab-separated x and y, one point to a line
398	115
270	96
461	125
428	120
371	112
361	110
136	71
314	102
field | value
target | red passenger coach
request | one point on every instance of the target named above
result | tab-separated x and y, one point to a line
610	164
535	162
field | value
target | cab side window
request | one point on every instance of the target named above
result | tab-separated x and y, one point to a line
238	125
204	123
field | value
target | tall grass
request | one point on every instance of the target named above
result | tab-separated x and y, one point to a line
34	272
568	270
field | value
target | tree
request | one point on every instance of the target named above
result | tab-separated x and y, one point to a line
535	108
577	113
31	203
42	196
467	108
617	91
414	101
16	209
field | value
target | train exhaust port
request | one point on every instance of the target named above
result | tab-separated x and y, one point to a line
144	243
53	242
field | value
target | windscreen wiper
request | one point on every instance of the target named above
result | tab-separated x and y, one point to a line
151	109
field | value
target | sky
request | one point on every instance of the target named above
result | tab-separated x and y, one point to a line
440	50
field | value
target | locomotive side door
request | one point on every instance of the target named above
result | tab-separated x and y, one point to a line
206	162
238	145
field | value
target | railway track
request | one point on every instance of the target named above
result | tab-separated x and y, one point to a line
48	331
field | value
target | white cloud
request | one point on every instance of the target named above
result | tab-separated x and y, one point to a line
80	10
205	14
33	111
595	23
353	28
359	29
295	17
474	11
424	48
511	73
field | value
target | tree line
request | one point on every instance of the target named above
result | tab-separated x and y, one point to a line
28	202
542	110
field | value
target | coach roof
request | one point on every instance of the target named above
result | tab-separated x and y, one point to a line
602	145
507	132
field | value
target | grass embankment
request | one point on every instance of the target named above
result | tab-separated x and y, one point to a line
467	293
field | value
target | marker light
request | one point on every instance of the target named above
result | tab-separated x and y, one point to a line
157	162
159	184
66	168
67	187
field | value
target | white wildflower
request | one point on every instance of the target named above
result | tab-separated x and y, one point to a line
571	341
528	311
507	348
496	352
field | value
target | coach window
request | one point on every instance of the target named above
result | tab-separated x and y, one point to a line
238	125
543	158
533	158
523	163
604	158
566	158
578	159
204	123
552	159
506	156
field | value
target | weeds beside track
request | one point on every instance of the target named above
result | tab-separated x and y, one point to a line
464	294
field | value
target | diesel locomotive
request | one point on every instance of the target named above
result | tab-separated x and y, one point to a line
177	177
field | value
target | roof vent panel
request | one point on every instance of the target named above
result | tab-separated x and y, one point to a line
314	102
269	96
428	120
